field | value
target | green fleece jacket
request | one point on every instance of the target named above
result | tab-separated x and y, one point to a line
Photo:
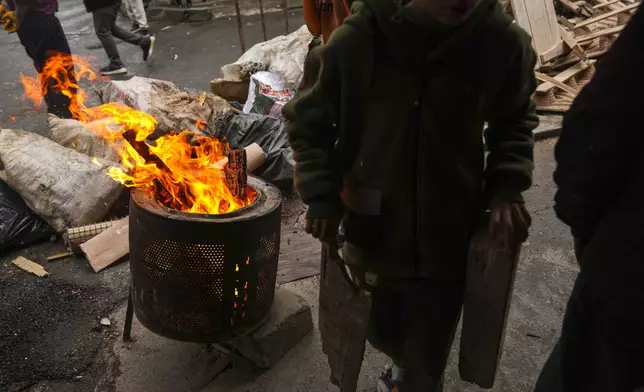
387	128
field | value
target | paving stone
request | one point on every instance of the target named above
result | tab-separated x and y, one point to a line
288	322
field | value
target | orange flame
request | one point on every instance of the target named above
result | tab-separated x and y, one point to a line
190	181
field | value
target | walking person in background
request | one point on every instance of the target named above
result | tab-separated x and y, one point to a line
135	11
600	179
105	13
324	16
42	36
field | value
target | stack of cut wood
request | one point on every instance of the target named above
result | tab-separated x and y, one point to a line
568	35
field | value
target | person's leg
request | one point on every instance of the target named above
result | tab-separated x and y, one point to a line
104	21
43	36
138	12
128	36
432	311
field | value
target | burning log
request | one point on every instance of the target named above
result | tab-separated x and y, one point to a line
144	151
235	171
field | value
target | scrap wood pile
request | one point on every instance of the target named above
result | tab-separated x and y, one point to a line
569	36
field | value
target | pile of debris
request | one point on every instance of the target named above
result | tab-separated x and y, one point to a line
79	185
568	36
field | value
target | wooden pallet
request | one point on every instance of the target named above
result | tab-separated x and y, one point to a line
556	93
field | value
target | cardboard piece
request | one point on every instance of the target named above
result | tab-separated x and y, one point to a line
109	246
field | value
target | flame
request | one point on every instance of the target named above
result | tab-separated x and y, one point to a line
183	176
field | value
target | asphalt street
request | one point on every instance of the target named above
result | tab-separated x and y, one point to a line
188	54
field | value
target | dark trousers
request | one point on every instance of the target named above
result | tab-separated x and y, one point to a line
42	35
106	29
601	348
414	323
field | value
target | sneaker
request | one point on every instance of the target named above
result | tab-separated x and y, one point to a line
148	48
113	70
390	380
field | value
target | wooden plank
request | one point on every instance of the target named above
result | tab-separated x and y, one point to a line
109	246
299	255
556	83
565	75
607	15
29	266
600	5
589	37
539	19
343	321
491	270
572	43
555	51
59	256
571	6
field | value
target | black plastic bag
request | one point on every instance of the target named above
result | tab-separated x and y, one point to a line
19	226
245	129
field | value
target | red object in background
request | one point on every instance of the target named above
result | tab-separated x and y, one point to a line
323	16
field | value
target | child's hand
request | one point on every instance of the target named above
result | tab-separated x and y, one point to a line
326	229
509	221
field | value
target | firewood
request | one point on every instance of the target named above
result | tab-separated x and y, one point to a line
235	170
255	157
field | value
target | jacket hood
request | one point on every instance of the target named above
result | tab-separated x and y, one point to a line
410	30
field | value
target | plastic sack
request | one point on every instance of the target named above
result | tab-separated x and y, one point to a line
172	108
64	187
283	55
19	226
245	129
73	134
267	94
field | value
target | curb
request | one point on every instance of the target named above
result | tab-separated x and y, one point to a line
201	14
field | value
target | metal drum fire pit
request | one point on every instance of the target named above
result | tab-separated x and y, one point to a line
204	278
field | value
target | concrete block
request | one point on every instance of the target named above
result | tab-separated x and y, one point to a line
288	322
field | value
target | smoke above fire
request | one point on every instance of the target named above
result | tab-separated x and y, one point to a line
181	170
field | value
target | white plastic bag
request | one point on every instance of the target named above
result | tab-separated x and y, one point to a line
173	109
283	55
267	94
62	186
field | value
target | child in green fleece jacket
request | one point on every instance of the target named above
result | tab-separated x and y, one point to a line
387	134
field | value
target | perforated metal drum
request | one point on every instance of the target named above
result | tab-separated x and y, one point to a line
204	278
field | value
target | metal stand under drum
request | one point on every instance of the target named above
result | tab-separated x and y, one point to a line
228	355
204	278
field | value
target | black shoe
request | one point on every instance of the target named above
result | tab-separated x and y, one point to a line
148	48
113	70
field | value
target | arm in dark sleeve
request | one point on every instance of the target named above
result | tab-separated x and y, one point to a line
602	134
312	132
509	134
